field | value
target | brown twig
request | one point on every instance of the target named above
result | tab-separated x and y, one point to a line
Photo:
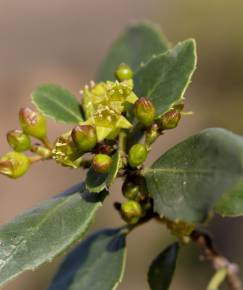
204	241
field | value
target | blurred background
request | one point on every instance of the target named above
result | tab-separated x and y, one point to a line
64	41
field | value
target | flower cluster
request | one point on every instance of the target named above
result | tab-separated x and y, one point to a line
112	115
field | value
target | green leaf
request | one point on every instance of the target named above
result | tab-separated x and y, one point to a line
44	232
137	44
165	78
57	103
96	182
97	263
162	269
187	181
231	203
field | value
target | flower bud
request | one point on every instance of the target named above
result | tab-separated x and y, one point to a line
14	164
170	119
137	155
33	123
152	134
84	136
101	163
130	190
131	211
123	72
144	111
18	140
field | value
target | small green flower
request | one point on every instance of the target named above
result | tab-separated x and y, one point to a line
124	72
65	152
14	164
33	123
104	104
18	140
108	123
137	155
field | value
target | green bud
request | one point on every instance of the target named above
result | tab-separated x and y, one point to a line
131	211
152	134
33	123
130	190
101	163
123	72
18	140
84	136
137	155
170	119
14	164
144	111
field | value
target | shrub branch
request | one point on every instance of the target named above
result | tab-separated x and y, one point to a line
218	262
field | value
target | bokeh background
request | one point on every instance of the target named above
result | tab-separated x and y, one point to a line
64	41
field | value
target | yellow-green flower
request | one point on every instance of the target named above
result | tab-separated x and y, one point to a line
66	152
108	123
104	104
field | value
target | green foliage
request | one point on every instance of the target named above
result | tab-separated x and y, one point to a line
186	181
57	103
97	263
136	45
116	124
162	269
164	79
44	232
231	203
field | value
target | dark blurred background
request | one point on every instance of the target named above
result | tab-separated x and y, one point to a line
64	42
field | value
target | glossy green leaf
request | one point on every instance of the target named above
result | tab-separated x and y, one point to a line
165	78
97	263
186	181
231	203
46	231
96	182
137	44
162	269
57	103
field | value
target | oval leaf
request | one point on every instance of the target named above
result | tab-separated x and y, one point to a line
165	78
136	45
231	203
96	182
162	269
186	181
97	263
44	232
57	103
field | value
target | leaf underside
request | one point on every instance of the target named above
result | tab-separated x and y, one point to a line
137	44
97	263
186	182
44	232
163	267
57	103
